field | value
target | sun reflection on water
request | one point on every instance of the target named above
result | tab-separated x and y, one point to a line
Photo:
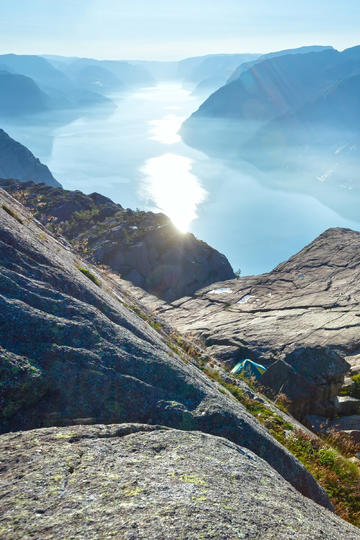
166	129
173	188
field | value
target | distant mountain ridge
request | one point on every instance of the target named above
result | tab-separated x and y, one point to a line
209	71
34	81
102	75
279	100
300	50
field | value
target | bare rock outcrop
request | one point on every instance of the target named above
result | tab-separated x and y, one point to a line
139	482
305	312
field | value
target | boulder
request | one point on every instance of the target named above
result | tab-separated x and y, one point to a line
311	379
139	482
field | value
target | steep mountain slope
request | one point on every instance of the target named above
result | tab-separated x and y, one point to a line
72	351
337	109
143	247
16	161
271	87
295	114
138	481
317	86
19	95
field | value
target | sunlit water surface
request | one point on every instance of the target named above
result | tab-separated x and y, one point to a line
135	156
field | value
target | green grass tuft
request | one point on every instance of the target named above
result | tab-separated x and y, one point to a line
89	275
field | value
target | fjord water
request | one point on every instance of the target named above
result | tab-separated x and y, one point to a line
134	155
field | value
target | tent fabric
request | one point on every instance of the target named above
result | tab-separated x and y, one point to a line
248	368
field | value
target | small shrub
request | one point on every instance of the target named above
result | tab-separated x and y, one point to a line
89	275
343	442
282	402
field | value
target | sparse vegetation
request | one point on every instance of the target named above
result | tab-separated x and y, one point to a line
12	213
144	316
354	390
325	457
89	275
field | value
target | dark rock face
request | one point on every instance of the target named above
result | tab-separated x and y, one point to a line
310	378
16	161
73	352
140	482
143	247
305	312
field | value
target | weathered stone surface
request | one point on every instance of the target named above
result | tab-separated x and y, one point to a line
141	482
347	405
72	349
310	303
143	247
345	424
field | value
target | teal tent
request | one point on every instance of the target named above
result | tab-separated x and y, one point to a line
249	369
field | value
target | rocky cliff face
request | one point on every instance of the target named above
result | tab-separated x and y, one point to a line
140	482
143	247
16	161
304	313
73	351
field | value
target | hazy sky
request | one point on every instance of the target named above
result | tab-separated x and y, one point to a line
171	29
